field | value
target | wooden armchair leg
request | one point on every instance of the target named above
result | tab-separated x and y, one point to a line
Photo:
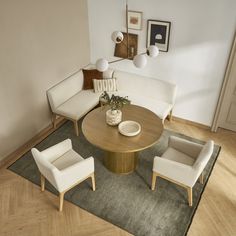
201	178
93	182
190	196
154	177
61	199
54	118
42	178
76	127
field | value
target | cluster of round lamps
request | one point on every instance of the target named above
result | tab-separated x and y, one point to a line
139	60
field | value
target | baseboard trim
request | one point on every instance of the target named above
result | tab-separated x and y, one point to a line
189	122
6	161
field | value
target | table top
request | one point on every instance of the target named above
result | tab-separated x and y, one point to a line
106	137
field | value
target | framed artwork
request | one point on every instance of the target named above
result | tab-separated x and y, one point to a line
121	48
158	33
135	20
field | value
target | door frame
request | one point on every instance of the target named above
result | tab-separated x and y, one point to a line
216	120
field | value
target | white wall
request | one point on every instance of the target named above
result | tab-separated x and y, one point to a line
201	36
41	43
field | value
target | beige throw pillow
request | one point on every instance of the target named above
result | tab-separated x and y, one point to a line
102	85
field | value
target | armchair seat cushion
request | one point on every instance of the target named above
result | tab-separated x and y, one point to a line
174	155
180	164
67	159
79	104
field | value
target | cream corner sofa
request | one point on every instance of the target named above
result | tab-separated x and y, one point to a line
69	100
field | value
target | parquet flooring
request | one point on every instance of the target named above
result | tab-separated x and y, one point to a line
24	210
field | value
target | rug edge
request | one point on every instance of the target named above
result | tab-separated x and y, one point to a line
197	205
194	211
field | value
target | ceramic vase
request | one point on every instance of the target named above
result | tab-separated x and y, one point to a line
113	117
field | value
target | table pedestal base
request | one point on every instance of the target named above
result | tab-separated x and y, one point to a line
120	163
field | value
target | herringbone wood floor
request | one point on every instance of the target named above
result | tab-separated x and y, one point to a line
24	210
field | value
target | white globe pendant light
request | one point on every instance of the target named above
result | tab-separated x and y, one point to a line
117	37
140	61
152	51
102	64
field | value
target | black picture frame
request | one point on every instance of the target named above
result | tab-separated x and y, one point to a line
158	33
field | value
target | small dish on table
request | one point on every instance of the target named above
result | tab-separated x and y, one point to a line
129	128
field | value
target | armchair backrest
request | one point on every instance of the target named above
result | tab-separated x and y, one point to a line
45	167
204	156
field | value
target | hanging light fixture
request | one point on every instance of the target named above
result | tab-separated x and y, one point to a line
139	60
152	51
117	37
102	64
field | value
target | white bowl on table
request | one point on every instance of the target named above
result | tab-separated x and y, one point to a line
129	128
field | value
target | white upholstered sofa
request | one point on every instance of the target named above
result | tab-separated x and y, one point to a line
69	100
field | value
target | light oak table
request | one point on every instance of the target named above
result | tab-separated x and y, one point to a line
121	151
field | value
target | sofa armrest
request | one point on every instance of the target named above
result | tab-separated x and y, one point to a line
172	93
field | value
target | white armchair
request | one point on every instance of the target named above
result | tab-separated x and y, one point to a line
182	163
63	168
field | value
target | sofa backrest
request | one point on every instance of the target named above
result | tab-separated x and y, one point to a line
150	87
65	89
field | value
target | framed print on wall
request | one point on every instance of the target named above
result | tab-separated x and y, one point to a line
158	33
135	20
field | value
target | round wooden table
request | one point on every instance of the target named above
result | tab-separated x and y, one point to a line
121	151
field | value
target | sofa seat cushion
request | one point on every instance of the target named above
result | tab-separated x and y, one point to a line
160	108
79	104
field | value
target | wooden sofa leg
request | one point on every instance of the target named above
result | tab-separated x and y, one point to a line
42	178
76	127
93	182
170	116
154	178
190	196
61	199
54	118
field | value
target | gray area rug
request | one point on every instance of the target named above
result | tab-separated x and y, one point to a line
125	200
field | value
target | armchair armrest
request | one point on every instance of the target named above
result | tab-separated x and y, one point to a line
87	165
185	146
176	171
57	150
73	174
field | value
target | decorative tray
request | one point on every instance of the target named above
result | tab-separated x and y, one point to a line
129	128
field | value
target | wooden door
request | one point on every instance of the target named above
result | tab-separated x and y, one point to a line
226	111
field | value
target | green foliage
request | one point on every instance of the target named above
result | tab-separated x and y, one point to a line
115	102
